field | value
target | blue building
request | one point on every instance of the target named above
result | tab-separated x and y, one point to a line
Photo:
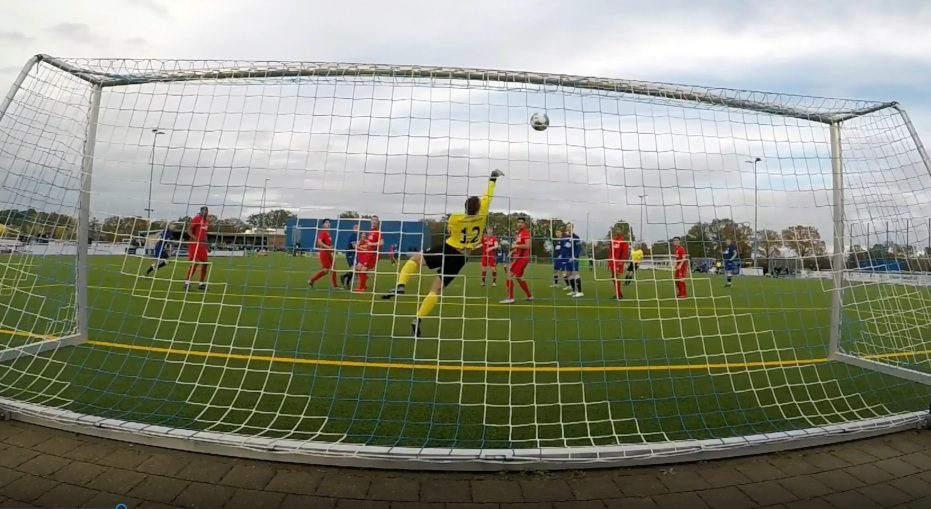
881	265
407	235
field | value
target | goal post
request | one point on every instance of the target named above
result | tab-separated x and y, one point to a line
74	328
271	358
891	360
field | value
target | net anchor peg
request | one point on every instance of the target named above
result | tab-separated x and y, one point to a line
5	415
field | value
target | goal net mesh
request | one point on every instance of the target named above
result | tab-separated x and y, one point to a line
273	149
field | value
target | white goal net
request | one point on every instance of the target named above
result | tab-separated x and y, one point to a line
134	189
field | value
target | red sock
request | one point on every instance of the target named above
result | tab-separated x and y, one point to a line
317	276
510	285
523	286
680	285
203	273
617	287
363	279
483	276
333	278
190	270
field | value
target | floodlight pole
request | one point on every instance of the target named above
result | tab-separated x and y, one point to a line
756	210
643	205
264	191
148	210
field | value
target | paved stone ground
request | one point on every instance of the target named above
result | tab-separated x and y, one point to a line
40	467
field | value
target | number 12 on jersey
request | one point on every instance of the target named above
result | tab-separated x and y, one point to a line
476	233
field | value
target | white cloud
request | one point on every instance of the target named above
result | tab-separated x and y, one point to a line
800	47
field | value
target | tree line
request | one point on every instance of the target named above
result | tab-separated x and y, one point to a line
701	240
117	228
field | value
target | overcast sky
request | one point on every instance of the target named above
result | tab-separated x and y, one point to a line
855	49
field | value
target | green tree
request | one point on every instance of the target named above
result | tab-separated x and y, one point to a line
119	228
707	239
661	248
769	244
804	240
231	225
349	214
272	219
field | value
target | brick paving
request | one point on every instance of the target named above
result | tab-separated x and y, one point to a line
41	467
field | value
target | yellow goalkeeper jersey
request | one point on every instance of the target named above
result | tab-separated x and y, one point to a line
636	256
465	231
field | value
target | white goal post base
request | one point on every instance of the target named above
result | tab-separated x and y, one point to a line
33	349
886	369
450	459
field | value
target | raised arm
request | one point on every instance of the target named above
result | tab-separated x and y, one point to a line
489	192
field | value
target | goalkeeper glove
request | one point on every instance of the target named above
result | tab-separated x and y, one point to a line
495	174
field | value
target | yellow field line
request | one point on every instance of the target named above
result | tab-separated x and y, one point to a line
896	354
24	334
453	367
465	367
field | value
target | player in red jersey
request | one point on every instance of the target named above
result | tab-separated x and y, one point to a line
682	268
520	257
324	245
618	255
368	249
490	255
197	248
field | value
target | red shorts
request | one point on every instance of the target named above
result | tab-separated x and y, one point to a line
489	260
616	267
326	259
367	260
518	266
197	253
681	274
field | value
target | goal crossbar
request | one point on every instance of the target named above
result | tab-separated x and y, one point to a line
704	95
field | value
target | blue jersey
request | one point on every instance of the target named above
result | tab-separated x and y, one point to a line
559	257
563	248
161	247
576	250
351	251
730	255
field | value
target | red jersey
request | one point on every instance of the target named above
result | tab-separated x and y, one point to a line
488	244
618	248
370	242
199	226
323	237
523	237
680	257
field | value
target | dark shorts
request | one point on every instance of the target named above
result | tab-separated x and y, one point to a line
446	260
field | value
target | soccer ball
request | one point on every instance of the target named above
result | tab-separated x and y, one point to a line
539	121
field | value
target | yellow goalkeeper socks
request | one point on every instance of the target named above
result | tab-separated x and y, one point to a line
428	302
408	270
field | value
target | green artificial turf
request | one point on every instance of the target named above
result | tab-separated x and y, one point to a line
260	353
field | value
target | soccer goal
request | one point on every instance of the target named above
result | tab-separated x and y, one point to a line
268	357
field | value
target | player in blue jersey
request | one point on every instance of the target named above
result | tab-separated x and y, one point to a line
731	262
350	252
559	261
574	244
162	251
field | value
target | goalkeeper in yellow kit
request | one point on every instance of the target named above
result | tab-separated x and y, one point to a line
465	233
